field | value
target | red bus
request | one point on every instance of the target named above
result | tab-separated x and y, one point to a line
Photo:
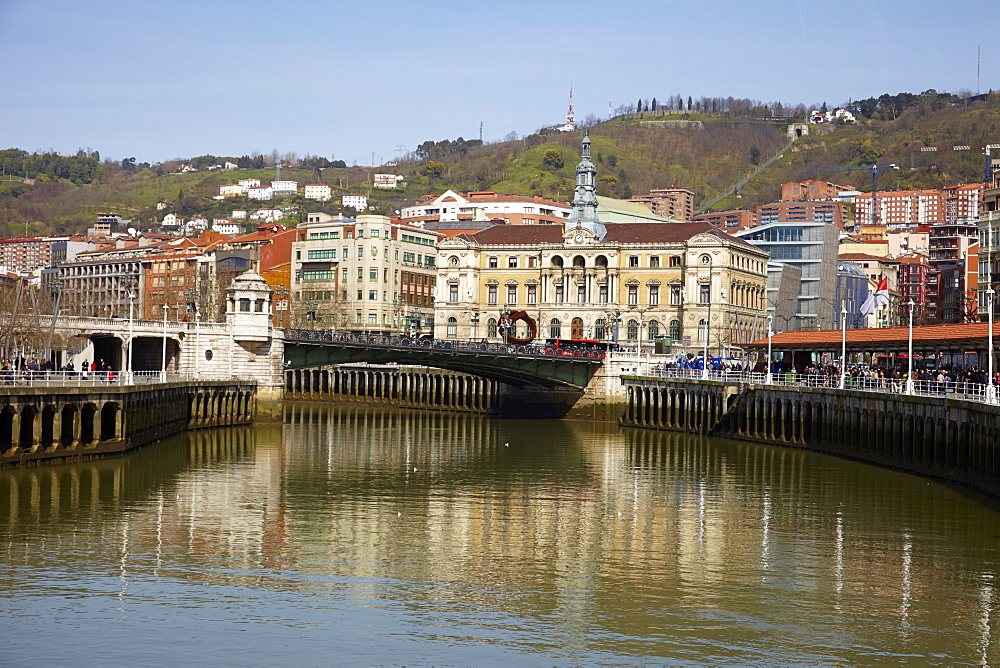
580	347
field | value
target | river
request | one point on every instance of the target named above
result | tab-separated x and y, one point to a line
359	535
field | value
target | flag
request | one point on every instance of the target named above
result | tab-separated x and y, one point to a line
876	299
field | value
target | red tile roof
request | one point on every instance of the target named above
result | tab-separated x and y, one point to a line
880	338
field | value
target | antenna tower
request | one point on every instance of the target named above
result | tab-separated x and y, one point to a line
569	112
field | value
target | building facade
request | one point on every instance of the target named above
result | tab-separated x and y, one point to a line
831	213
367	274
452	206
810	190
729	221
676	203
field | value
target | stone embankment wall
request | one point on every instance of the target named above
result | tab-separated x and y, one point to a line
948	439
40	423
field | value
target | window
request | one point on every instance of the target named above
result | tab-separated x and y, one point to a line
602	292
555	329
559	294
632	332
492	262
599	328
581	294
361	274
453	292
704	294
344	253
675	295
373	318
245	304
491	327
532	294
372	295
654	261
674	261
321	275
532	262
633	294
373	234
452	328
361	251
511	294
702	330
654	294
653	330
322	254
361	295
675	329
491	294
512	262
373	274
633	260
409	257
343	274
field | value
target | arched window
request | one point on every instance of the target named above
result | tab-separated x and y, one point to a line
491	327
703	330
599	332
675	329
452	328
654	330
555	329
633	330
579	262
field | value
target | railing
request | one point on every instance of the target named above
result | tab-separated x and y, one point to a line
594	355
930	388
28	378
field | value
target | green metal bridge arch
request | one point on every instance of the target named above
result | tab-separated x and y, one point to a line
514	365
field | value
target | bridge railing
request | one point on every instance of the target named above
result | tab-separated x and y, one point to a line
455	345
28	378
930	388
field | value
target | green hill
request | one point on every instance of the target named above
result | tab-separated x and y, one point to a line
632	155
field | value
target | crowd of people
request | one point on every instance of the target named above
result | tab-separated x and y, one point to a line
20	369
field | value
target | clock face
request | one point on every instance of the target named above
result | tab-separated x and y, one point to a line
579	238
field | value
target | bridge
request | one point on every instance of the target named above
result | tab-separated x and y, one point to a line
512	364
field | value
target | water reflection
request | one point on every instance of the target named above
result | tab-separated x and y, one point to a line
571	541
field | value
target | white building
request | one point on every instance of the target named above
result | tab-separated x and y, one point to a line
359	202
172	220
386	181
260	192
238	213
267	215
230	165
451	206
279	188
246	184
231	190
318	191
224	226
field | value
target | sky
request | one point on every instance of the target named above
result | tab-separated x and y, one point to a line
355	80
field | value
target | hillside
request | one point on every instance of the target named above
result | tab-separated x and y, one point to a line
632	155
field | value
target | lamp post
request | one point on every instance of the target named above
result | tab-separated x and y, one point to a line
638	335
129	376
474	320
843	346
909	353
55	289
163	365
311	307
769	378
197	345
991	389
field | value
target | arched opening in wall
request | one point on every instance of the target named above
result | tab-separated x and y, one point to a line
87	414
555	329
491	327
579	262
69	416
108	349
557	261
48	425
7	437
576	328
452	328
601	261
109	415
26	437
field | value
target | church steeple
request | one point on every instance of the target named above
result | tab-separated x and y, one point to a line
585	196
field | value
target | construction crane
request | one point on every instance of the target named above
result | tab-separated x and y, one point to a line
874	169
985	148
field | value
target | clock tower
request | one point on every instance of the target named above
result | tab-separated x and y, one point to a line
584	215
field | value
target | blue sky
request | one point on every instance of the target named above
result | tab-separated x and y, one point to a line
167	80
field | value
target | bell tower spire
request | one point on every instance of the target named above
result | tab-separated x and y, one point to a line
584	213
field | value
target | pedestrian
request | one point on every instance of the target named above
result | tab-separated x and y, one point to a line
84	370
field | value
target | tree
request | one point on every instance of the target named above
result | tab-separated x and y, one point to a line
638	106
612	160
689	103
553	159
432	169
654	104
754	155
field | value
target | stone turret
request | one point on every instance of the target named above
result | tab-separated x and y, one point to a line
248	307
584	213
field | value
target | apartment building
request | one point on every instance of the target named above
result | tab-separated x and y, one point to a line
827	212
676	203
367	274
729	221
901	208
452	206
810	190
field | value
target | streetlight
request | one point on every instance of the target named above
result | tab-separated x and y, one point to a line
843	346
638	334
129	376
474	319
311	307
197	345
909	353
769	378
991	389
163	366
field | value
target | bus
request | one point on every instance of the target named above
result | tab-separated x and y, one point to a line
580	347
